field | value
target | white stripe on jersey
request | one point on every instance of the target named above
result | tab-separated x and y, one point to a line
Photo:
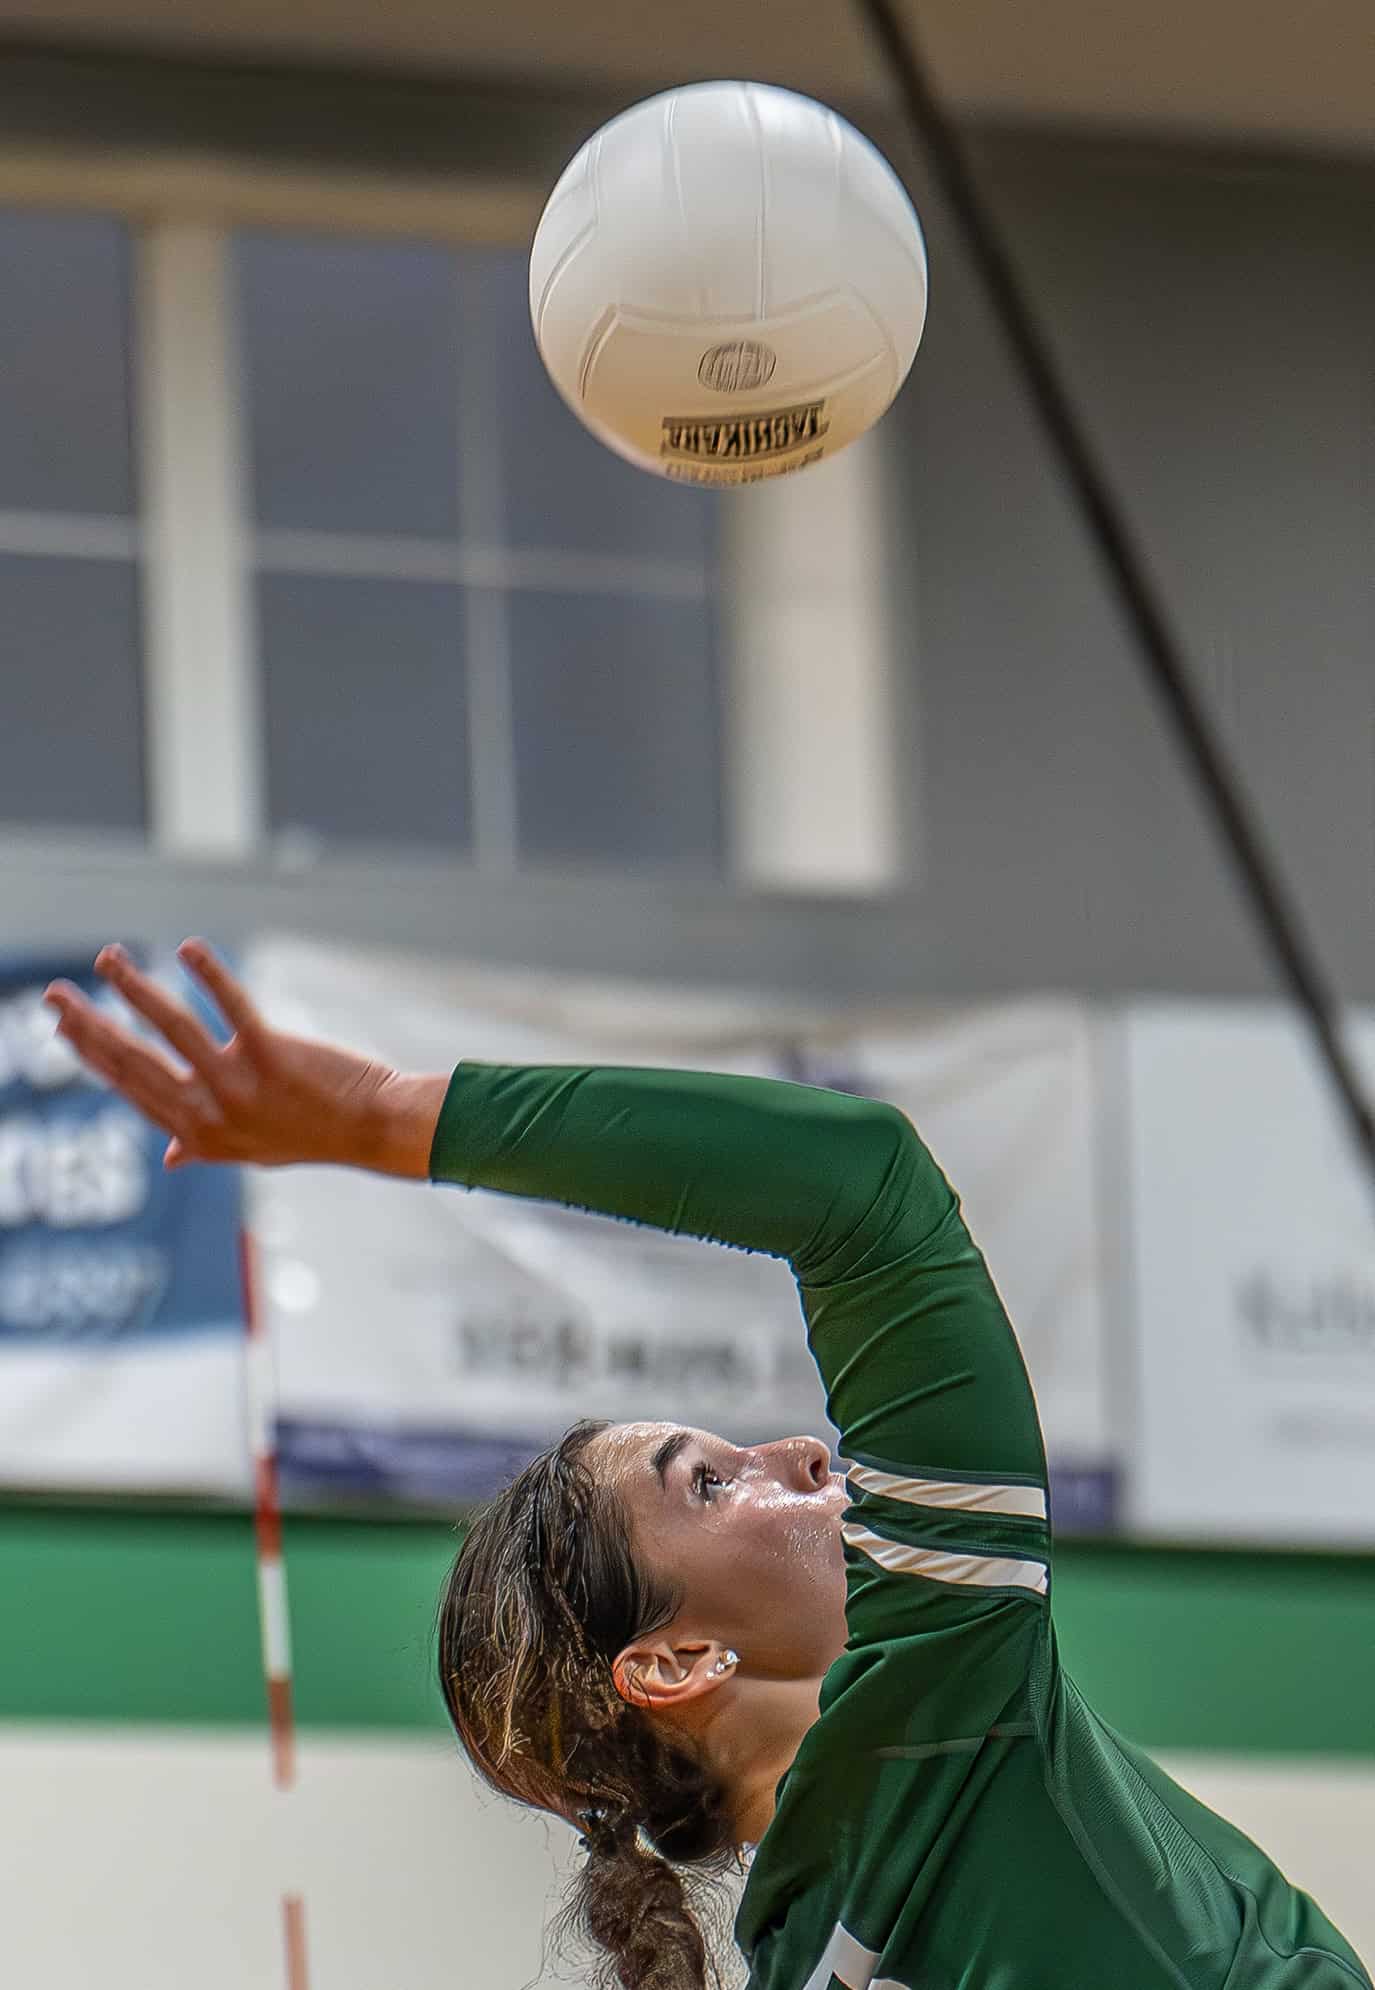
982	1571
1029	1502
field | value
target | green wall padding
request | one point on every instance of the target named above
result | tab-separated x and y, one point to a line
146	1616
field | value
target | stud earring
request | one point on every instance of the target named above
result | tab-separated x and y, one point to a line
726	1660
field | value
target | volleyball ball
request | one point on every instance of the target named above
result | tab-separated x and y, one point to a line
728	283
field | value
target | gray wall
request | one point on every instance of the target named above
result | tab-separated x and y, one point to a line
1216	322
1217	319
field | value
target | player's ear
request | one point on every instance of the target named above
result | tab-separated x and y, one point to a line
659	1673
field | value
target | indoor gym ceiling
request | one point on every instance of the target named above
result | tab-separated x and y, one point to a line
1282	74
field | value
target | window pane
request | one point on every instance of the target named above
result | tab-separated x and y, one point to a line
564	489
366	708
351	363
64	364
71	741
617	732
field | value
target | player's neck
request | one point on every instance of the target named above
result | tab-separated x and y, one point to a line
754	1748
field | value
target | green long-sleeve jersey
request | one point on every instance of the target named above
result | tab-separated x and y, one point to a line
957	1818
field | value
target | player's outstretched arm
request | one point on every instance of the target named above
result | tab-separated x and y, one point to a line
262	1097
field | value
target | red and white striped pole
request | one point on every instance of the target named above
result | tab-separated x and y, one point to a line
273	1618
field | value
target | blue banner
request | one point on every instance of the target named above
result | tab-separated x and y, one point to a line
98	1244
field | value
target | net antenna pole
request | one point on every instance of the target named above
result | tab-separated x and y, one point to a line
1162	656
260	1393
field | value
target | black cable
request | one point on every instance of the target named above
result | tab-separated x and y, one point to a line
1160	651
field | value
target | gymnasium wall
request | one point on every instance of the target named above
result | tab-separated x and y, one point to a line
137	1781
1216	314
149	1859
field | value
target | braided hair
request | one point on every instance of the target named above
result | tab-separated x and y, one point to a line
543	1595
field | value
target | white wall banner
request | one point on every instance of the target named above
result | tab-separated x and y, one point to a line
429	1342
1254	1255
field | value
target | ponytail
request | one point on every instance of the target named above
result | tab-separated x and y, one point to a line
544	1594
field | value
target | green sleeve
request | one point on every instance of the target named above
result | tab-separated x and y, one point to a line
946	1539
923	1375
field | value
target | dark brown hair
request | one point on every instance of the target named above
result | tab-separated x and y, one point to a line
543	1595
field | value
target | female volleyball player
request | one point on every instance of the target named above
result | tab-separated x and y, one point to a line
686	1646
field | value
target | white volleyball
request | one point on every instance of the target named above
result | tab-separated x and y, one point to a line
728	283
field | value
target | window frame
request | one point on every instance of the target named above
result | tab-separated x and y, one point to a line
203	743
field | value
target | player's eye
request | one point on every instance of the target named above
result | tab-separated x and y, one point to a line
704	1480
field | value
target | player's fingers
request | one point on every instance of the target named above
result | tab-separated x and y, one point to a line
137	1070
158	1100
230	995
187	1037
84	1026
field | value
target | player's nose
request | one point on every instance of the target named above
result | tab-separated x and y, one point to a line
803	1463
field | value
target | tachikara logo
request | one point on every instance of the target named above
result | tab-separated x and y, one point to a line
743	438
739	367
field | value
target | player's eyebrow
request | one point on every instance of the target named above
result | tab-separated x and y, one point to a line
666	1452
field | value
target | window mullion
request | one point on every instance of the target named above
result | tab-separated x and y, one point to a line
482	525
205	749
812	798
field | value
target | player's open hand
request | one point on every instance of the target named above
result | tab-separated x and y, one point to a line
262	1097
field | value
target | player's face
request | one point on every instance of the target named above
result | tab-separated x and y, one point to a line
750	1535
